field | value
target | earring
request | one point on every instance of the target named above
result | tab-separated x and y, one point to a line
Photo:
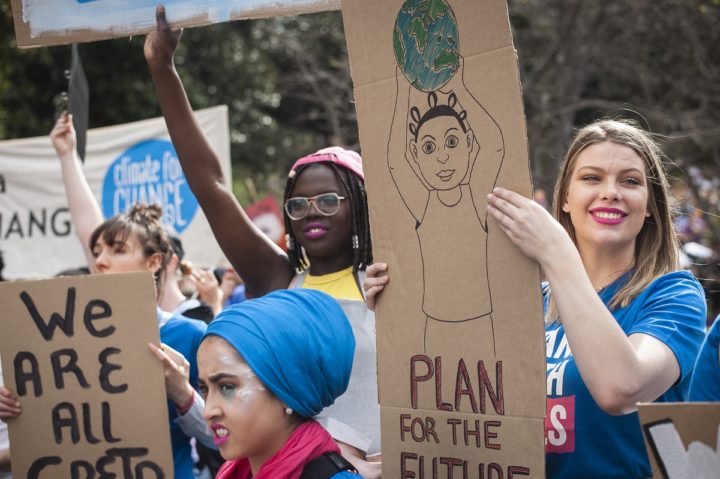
289	242
355	242
288	411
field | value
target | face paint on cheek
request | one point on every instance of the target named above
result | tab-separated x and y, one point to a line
251	389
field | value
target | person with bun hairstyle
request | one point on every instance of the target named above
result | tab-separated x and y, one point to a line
623	323
132	242
328	236
86	216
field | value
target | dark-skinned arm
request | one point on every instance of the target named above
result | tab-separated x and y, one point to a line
262	264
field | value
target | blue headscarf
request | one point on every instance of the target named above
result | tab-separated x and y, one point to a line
298	341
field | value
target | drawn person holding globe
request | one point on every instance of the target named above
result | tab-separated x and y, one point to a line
444	154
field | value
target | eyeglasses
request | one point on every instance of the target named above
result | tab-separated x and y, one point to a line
326	204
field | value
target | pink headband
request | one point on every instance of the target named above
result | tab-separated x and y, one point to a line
334	154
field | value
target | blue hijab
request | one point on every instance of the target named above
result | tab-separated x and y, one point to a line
299	342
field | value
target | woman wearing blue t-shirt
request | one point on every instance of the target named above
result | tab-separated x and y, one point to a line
705	384
623	324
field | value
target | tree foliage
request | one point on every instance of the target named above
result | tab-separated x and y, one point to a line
287	80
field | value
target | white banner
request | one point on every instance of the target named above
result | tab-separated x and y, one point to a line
124	164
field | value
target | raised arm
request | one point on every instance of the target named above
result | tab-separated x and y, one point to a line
412	191
84	209
488	147
261	263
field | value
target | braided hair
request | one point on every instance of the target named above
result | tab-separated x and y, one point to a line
144	221
355	188
435	110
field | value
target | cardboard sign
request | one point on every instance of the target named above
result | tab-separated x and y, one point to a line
75	351
682	439
59	22
461	359
125	164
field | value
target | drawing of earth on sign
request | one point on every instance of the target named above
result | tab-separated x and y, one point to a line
445	152
149	172
425	41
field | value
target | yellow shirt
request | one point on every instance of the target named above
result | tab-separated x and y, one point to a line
339	285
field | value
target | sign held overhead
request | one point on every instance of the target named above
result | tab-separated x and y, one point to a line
59	22
461	356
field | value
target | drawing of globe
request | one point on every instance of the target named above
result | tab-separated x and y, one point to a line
425	41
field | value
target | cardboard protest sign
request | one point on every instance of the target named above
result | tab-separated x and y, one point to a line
59	22
461	359
125	164
75	350
682	439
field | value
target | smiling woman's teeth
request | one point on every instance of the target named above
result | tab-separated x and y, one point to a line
221	432
608	216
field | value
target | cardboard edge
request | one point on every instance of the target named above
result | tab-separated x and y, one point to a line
66	37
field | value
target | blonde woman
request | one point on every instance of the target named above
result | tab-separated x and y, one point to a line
623	323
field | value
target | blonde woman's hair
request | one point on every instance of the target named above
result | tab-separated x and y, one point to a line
656	246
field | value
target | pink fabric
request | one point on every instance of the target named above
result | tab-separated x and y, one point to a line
334	154
307	442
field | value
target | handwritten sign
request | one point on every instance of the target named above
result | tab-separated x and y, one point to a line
93	397
58	22
461	353
682	439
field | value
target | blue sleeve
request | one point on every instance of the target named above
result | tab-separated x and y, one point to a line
198	330
705	383
674	312
346	475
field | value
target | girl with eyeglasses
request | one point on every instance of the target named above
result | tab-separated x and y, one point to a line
328	236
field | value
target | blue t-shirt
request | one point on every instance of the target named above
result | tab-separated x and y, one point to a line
705	383
183	335
581	439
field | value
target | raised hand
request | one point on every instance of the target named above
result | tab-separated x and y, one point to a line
161	44
208	288
457	81
63	135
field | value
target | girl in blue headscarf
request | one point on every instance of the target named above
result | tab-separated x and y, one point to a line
267	366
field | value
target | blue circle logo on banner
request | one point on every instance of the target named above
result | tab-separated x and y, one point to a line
149	172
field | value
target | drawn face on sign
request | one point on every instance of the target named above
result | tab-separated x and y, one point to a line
123	256
247	419
442	152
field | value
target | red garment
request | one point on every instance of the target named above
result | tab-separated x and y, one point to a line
307	442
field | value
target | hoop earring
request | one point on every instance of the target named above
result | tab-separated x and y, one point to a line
289	242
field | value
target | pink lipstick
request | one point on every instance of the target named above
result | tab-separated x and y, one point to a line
222	434
315	231
608	216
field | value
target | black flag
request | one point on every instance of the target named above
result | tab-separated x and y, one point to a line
79	101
